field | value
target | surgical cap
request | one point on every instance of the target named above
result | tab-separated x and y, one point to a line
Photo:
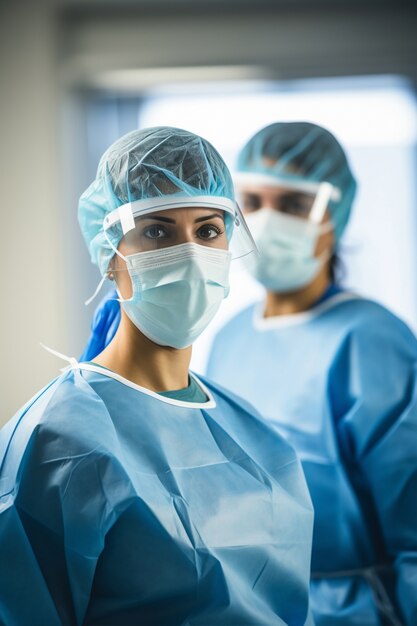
300	152
148	163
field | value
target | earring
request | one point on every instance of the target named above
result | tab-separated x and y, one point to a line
110	276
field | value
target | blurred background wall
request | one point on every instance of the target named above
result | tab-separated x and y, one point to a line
77	74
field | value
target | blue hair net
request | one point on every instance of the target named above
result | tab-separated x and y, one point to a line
299	152
149	163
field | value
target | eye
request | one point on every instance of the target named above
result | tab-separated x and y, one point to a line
155	231
297	205
209	231
251	202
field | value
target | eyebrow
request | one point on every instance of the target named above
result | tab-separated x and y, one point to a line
284	194
209	217
295	192
169	220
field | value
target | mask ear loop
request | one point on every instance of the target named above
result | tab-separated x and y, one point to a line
125	216
116	251
97	291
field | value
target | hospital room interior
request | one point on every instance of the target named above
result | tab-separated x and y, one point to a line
78	75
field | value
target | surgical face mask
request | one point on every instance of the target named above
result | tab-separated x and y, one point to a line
286	245
176	291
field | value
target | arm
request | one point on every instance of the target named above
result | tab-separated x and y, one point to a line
55	510
49	541
377	378
24	595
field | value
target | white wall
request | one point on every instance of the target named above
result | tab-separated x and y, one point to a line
33	292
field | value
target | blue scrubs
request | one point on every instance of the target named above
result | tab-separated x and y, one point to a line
119	506
105	323
339	383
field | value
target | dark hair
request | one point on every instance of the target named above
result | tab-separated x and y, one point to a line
336	269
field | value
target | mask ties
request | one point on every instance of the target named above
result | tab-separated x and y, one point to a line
97	291
70	359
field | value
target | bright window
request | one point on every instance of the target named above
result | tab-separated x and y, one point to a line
376	121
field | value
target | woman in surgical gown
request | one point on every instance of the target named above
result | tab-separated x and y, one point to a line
334	372
131	491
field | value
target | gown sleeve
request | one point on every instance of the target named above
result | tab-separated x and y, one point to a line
103	327
374	393
54	513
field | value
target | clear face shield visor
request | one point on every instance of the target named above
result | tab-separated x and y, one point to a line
301	200
157	223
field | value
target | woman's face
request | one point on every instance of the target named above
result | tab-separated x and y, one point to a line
163	229
289	202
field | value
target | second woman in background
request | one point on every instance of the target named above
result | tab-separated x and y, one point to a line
334	372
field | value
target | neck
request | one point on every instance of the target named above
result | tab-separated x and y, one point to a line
297	301
133	356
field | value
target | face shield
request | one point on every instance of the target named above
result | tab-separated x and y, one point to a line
153	224
302	200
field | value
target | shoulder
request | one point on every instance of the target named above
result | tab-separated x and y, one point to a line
372	383
75	411
368	320
373	370
66	421
61	455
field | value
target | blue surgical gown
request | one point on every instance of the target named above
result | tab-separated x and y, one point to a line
122	507
339	383
105	323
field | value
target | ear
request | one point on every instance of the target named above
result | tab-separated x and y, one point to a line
110	269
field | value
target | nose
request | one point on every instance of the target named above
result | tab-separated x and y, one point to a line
186	234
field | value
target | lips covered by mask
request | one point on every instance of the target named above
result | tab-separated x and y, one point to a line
176	291
287	245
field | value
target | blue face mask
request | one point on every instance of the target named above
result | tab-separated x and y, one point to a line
287	245
176	291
